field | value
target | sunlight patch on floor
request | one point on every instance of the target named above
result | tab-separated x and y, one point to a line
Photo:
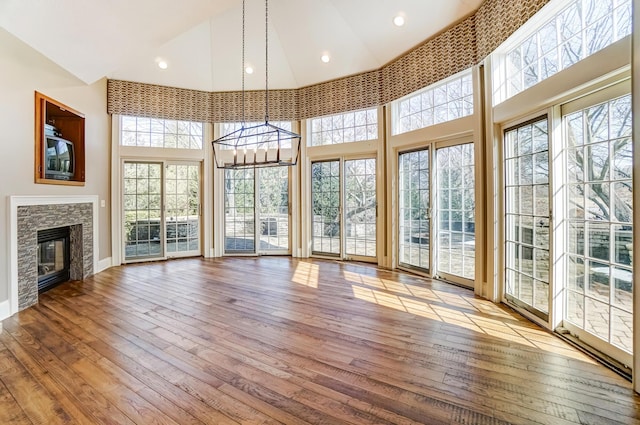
457	310
306	274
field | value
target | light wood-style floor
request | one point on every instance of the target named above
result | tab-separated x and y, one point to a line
279	340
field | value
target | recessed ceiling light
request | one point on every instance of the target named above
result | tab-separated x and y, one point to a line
163	64
249	70
325	58
398	21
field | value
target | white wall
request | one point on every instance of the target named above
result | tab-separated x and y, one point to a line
23	71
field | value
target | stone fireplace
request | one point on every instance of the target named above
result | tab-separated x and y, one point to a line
32	214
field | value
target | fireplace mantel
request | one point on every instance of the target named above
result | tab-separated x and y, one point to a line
14	204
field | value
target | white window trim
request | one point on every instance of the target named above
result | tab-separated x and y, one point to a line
309	128
536	22
121	153
598	96
554	272
395	105
605	67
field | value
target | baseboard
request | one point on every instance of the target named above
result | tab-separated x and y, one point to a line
5	310
103	265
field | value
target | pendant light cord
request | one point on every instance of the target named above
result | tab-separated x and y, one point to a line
243	62
266	60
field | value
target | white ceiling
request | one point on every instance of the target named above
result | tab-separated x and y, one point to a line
201	39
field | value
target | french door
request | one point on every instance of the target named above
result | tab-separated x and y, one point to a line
527	218
455	213
599	163
182	209
415	209
585	254
438	181
257	195
161	210
344	208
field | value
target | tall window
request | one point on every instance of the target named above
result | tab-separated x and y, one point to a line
455	197
325	204
159	133
600	232
354	126
527	216
239	206
273	208
414	220
142	204
438	103
182	207
578	30
360	207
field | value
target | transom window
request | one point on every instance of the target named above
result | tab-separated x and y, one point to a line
160	133
353	126
577	31
438	103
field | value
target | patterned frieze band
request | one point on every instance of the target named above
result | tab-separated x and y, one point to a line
455	49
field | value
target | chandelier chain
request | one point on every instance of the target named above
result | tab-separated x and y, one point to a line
271	145
243	60
266	59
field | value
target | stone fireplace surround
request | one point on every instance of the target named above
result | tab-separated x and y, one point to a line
27	215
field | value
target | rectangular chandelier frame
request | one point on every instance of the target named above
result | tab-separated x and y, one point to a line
261	145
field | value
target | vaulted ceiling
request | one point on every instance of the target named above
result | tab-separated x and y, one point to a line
201	40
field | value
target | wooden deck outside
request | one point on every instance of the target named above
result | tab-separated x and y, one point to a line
280	340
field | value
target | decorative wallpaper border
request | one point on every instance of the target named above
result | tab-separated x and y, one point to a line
455	49
448	53
227	106
496	20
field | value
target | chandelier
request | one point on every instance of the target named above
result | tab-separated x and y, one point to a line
259	145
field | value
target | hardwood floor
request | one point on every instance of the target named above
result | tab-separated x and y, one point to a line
279	340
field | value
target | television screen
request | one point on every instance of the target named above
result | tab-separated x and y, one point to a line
59	158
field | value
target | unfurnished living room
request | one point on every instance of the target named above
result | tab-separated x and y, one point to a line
319	212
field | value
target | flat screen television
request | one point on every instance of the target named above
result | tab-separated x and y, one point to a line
59	158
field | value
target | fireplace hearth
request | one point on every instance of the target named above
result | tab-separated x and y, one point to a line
54	262
27	214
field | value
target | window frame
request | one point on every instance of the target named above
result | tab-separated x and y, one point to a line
161	135
371	130
549	13
469	97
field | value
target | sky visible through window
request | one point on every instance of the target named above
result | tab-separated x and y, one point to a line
159	133
353	126
441	102
579	30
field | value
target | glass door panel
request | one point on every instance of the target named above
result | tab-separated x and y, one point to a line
414	221
325	205
142	201
182	206
360	207
239	205
455	201
599	225
273	209
527	216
